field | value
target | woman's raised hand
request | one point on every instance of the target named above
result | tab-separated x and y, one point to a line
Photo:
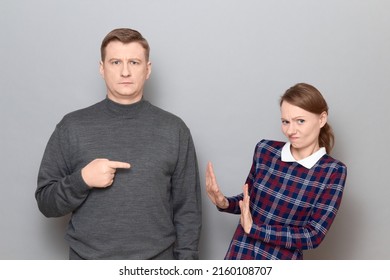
212	188
246	216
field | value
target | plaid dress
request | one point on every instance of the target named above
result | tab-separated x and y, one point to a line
292	207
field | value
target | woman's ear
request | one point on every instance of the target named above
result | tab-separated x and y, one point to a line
323	118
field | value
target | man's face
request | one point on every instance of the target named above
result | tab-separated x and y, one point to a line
125	71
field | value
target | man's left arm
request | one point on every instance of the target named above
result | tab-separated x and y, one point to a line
186	197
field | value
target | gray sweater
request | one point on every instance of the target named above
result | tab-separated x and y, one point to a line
154	206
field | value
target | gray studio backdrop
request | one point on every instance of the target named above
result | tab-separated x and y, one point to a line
221	65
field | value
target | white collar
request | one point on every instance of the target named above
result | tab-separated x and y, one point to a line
307	162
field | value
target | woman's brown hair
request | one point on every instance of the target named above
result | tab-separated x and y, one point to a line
309	98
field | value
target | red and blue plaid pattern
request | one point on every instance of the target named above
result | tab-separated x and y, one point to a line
292	207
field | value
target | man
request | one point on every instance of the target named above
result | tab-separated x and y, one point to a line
125	169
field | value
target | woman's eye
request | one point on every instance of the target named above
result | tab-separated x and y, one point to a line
301	121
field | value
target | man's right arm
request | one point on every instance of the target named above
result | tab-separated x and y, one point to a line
60	190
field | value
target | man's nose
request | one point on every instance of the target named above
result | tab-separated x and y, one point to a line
126	70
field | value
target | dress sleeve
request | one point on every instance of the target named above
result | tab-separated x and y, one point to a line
186	197
60	190
322	217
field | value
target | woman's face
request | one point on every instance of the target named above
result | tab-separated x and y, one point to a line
302	128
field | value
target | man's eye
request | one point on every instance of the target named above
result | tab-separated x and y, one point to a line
284	122
133	62
115	62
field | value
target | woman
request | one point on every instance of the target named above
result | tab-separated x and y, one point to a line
293	190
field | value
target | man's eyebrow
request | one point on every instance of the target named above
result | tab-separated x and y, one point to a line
131	58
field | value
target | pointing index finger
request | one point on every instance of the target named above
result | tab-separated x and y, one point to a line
118	164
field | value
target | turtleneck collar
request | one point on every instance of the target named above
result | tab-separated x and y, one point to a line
130	111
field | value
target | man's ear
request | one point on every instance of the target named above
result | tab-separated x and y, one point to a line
101	69
149	66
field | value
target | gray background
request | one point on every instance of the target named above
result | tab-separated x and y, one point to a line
221	65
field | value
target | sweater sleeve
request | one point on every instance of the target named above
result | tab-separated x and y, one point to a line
322	217
60	190
186	198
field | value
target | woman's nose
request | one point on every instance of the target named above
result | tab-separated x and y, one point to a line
291	129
